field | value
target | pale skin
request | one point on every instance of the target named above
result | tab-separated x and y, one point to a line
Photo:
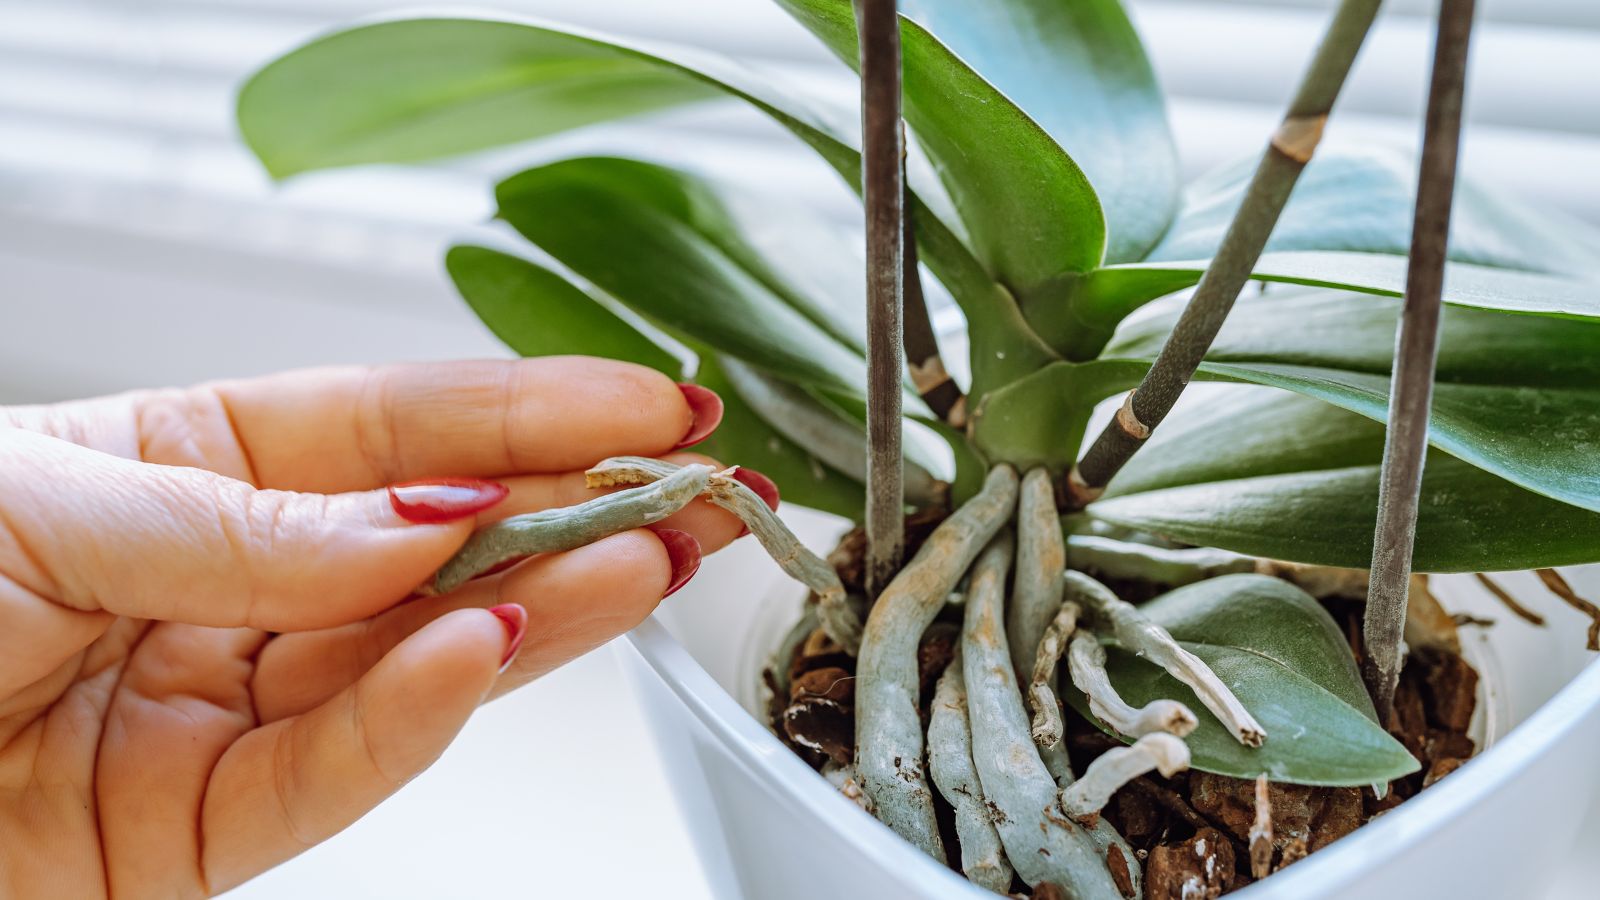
205	665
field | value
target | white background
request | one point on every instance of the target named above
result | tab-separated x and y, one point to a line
140	245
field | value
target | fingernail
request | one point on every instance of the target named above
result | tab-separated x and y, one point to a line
764	487
706	407
683	551
515	619
444	499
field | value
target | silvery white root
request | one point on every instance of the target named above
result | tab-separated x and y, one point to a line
1047	727
1044	845
839	619
1114	768
1086	661
555	530
888	725
1041	558
1139	635
983	858
1036	594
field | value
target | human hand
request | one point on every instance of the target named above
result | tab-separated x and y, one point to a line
203	669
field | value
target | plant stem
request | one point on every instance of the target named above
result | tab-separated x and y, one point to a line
928	373
1286	156
1416	349
883	191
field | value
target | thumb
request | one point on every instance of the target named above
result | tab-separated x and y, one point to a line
91	531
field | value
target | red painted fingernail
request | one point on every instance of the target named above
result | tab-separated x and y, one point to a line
707	409
683	551
515	619
764	487
444	499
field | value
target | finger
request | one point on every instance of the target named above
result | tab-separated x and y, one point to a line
183	699
356	428
575	601
95	532
292	784
37	636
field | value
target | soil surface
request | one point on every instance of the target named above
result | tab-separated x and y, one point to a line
1190	832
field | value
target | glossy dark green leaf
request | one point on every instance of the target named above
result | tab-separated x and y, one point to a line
416	89
1077	68
1286	660
1029	210
1359	198
1039	420
1084	310
410	89
539	313
1274	474
607	220
1339	330
1518	396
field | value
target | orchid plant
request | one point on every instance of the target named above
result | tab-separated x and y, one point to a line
1042	194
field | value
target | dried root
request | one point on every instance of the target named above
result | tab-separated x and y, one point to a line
1510	602
1086	660
839	619
1261	832
847	782
1558	586
983	859
1138	634
1116	767
1047	725
555	530
888	724
1045	846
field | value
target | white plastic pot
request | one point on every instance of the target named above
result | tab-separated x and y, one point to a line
766	826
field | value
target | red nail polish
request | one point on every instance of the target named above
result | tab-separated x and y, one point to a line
444	499
515	619
706	407
683	551
764	487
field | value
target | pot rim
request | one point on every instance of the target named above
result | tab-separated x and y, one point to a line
1390	836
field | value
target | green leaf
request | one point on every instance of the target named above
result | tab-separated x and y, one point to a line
1039	420
539	313
1078	69
802	259
417	89
1340	330
411	89
1518	396
1079	319
1274	474
1030	211
1360	199
1284	657
608	221
744	438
